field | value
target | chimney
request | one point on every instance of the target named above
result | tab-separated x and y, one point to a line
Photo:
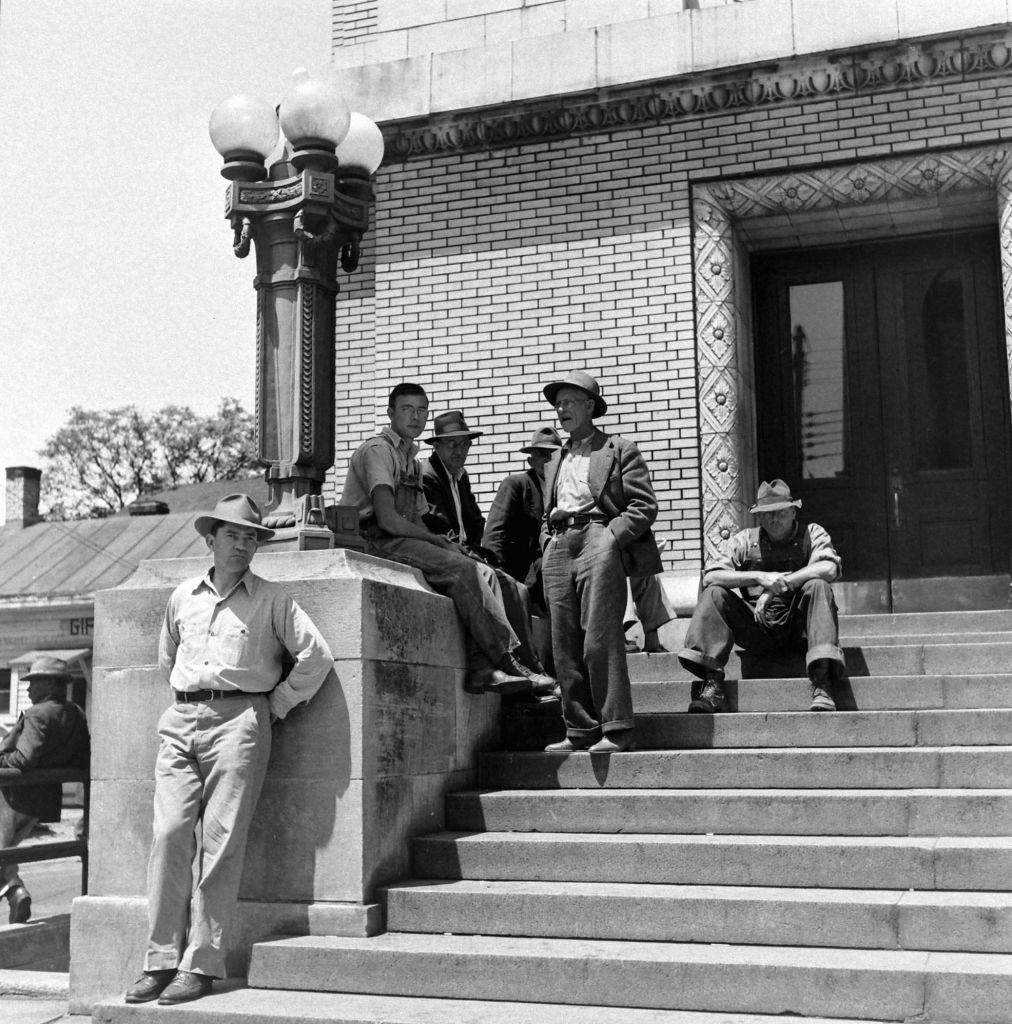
23	486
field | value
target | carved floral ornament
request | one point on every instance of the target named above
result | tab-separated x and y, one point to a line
850	73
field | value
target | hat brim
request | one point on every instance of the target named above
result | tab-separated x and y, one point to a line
776	506
450	434
551	390
530	449
62	677
204	524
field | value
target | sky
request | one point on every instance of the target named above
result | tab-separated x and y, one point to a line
117	280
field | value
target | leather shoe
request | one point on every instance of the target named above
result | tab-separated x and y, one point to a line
150	985
185	986
614	742
540	681
21	904
569	744
494	680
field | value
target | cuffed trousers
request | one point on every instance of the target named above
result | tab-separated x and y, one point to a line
722	619
210	768
473	587
585	587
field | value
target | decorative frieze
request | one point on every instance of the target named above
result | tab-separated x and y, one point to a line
906	65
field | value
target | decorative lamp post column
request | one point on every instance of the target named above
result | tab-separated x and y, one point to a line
305	215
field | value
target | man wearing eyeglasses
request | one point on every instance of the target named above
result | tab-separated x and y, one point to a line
453	512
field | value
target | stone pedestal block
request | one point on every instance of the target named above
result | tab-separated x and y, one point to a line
353	774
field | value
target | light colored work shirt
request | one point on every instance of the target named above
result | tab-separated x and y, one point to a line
391	460
572	492
234	641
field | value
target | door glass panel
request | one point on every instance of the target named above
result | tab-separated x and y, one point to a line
937	381
820	386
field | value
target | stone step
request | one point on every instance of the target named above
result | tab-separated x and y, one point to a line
951	767
870	984
856	918
233	1003
994	620
908	639
871	693
794	729
826	812
793	861
869	659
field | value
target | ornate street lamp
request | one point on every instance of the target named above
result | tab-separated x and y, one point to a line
305	214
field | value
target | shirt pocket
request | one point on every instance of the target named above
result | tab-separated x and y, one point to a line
233	643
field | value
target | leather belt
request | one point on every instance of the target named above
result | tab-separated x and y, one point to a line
577	520
199	696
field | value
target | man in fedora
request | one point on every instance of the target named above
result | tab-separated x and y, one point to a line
784	571
513	529
453	512
384	482
52	733
221	648
599	507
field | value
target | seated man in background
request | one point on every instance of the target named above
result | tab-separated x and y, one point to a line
384	481
784	571
453	512
648	604
52	733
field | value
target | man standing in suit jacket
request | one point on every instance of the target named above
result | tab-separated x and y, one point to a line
600	506
453	512
52	733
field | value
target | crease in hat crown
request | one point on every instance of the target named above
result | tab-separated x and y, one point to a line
774	495
577	379
47	667
237	509
450	424
544	439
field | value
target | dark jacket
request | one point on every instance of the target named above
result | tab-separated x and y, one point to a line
50	734
513	528
620	483
442	515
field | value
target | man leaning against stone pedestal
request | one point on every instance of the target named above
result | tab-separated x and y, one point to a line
599	507
384	482
784	571
221	648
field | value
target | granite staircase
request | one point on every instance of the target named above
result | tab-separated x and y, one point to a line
855	865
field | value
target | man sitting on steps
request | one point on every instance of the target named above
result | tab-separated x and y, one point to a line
784	571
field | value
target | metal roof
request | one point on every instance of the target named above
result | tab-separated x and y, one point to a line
78	557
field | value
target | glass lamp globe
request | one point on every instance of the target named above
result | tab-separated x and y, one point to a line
243	124
362	148
313	112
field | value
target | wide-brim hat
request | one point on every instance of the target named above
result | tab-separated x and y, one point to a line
238	509
448	425
544	439
774	496
582	380
48	667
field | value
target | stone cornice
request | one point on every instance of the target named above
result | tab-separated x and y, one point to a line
908	65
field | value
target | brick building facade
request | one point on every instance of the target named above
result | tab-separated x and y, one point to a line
563	188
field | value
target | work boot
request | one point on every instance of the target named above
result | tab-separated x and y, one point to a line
822	699
711	696
822	685
541	682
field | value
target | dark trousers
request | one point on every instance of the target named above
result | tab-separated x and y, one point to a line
722	619
585	587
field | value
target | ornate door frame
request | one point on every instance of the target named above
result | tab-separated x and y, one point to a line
724	342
